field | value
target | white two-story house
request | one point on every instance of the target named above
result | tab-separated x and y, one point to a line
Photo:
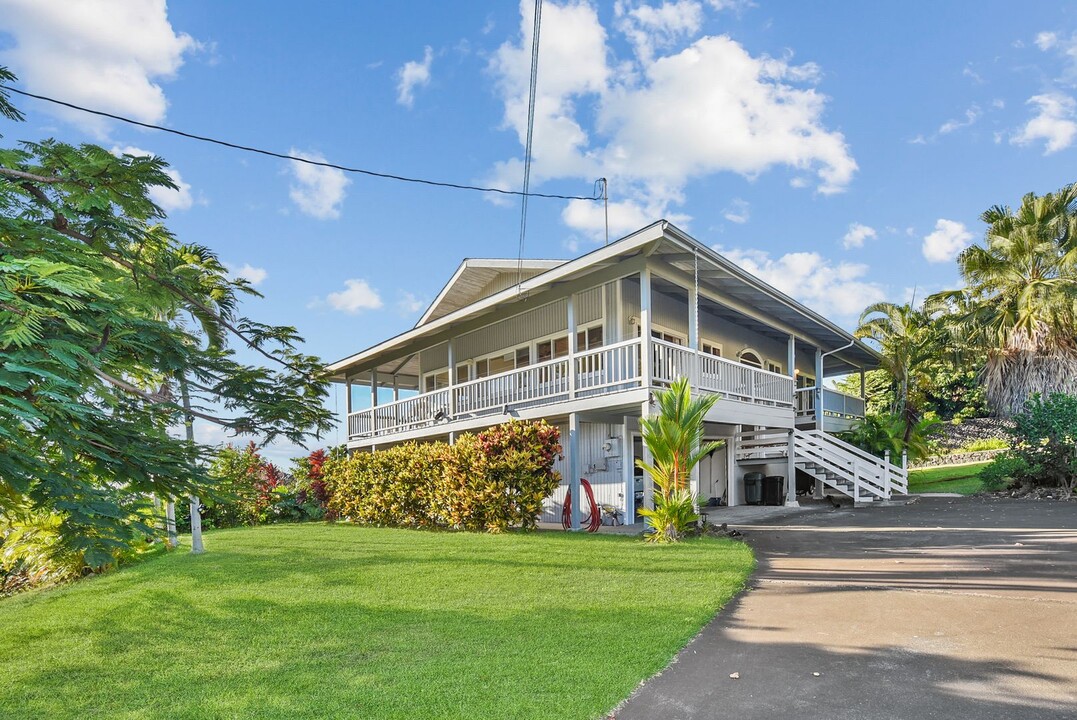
586	343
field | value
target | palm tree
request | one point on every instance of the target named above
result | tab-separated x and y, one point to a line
674	437
1020	301
906	337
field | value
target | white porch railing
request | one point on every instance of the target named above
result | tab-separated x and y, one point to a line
718	375
835	404
606	369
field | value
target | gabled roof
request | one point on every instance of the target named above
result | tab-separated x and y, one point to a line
476	278
739	292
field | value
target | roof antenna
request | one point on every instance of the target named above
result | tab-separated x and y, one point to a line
530	137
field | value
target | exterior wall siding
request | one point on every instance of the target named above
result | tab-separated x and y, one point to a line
604	473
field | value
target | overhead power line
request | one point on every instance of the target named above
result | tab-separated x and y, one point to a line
530	136
285	156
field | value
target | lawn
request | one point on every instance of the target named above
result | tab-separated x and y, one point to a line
314	621
963	479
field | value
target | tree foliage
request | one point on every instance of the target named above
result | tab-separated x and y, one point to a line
1019	305
102	309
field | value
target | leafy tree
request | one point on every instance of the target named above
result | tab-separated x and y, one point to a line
674	437
1019	304
1044	448
93	343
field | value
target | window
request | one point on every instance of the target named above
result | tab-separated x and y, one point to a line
463	373
805	381
551	349
710	348
589	338
523	356
751	357
774	367
436	380
667	337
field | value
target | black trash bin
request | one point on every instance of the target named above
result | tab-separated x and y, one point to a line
753	488
773	487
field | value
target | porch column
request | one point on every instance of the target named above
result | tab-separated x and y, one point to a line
863	384
570	305
818	388
574	467
628	469
452	379
347	406
396	388
733	493
693	333
791	474
648	481
645	331
792	358
374	401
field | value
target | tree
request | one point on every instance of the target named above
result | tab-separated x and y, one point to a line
907	338
1019	303
92	345
674	437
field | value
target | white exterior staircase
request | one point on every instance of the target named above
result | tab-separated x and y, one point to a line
838	467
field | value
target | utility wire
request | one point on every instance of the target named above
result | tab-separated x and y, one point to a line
530	136
283	156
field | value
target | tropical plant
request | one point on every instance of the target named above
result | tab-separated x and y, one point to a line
882	433
1044	451
674	438
1019	302
91	348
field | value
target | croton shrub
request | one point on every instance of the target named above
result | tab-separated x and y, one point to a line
488	481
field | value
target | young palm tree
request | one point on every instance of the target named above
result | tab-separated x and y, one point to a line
906	337
1020	300
674	437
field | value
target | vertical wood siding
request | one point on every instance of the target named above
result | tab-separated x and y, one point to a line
607	478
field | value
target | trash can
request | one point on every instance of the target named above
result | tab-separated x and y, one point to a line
773	486
753	488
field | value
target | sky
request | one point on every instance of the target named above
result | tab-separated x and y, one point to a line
842	151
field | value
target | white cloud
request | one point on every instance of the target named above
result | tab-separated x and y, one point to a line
105	54
947	240
409	303
972	74
1054	122
413	74
254	275
1046	40
738	211
167	199
318	191
971	116
722	109
831	289
356	296
857	234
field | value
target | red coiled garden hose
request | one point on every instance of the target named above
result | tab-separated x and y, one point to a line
594	520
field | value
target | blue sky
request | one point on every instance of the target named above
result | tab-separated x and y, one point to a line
843	151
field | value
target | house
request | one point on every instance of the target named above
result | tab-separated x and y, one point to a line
585	343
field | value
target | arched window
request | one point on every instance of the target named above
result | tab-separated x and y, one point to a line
751	357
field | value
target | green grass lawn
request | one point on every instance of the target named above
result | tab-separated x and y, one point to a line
315	621
963	479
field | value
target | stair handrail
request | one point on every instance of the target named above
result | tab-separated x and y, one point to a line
895	472
847	465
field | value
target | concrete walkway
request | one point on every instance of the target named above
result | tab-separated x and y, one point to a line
946	608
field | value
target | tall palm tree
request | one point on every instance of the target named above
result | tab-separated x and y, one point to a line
1020	303
906	337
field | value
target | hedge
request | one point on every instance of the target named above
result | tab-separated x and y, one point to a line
489	481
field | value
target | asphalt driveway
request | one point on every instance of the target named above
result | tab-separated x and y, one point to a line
946	608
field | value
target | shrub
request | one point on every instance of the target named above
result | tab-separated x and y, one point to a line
673	515
490	481
1045	439
984	444
1004	470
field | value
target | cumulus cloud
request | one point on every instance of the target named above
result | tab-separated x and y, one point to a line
254	275
106	54
738	211
947	240
413	74
168	199
1053	122
857	234
1046	40
317	191
722	109
356	296
833	289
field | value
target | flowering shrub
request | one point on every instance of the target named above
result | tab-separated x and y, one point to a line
489	481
